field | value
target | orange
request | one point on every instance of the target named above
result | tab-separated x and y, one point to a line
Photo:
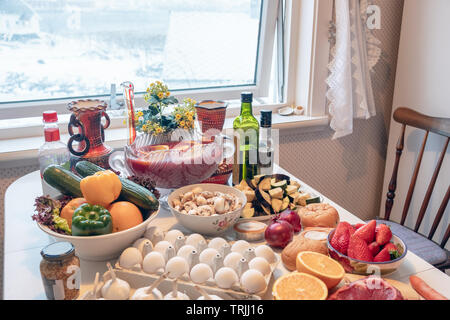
125	215
321	266
299	286
69	208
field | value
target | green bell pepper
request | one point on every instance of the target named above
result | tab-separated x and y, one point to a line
90	220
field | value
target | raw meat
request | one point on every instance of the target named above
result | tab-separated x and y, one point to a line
370	288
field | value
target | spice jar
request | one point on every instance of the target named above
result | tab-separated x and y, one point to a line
60	271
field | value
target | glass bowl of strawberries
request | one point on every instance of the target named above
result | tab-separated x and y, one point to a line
366	249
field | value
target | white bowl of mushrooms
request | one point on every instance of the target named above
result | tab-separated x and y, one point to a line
207	208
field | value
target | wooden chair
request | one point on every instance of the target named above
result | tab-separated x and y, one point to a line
424	247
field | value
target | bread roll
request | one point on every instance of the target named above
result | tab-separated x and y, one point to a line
310	239
319	215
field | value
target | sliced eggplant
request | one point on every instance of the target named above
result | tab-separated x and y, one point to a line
248	205
277	204
250	194
276	193
313	200
281	177
285	204
294	183
267	210
243	185
301	199
279	184
248	213
258	178
263	197
264	185
291	189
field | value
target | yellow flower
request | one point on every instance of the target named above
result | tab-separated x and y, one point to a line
182	123
158	82
178	116
160	95
152	84
144	127
187	124
158	130
190	118
140	114
167	93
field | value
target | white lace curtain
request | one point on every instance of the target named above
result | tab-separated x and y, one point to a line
354	53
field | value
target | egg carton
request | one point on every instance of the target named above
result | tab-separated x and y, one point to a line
139	277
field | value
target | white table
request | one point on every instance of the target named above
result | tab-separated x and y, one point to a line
24	241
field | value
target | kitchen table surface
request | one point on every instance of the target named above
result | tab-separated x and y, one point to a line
24	241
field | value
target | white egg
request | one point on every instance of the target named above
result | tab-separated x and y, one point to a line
185	251
141	243
130	257
162	246
180	296
240	246
232	260
252	281
260	264
172	235
194	239
225	277
141	294
176	267
211	296
265	252
217	243
200	273
153	261
154	234
207	256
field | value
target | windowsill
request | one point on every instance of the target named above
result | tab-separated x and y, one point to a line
25	149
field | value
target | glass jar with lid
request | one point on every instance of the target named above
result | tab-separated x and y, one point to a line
60	271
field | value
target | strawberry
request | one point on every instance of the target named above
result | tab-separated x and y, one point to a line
383	256
383	234
374	247
367	232
393	250
341	237
358	249
359	225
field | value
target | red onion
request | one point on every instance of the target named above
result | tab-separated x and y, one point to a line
279	233
292	217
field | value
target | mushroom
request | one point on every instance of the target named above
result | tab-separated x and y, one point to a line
115	288
150	292
175	294
205	295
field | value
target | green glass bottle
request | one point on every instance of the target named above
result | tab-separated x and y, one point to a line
246	141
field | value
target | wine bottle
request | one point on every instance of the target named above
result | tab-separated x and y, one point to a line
266	151
246	141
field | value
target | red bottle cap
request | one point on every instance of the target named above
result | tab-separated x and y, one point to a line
50	116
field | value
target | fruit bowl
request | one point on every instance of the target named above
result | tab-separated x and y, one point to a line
103	247
367	268
208	225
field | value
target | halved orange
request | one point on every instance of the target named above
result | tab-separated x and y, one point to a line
299	286
321	266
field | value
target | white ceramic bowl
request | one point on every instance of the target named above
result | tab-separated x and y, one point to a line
104	247
212	225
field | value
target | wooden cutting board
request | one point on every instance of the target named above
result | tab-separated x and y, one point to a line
406	290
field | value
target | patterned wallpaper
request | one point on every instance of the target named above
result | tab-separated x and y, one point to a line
349	170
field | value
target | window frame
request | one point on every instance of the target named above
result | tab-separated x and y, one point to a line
10	110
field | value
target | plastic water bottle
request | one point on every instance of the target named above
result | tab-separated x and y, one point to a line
53	151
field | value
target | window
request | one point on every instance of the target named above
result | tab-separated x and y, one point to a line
65	49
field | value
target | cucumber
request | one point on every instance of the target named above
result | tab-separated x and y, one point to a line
132	192
63	180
